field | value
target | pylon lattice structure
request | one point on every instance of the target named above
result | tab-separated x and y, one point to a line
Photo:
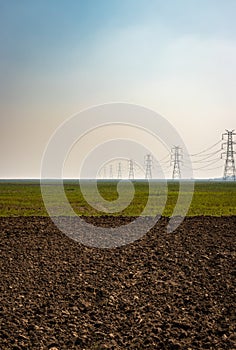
104	172
119	174
131	169
111	172
148	166
176	159
229	168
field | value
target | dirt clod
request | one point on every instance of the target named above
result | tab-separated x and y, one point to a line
164	291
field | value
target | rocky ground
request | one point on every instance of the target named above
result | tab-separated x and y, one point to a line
164	291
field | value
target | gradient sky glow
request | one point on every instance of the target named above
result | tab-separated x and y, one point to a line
57	57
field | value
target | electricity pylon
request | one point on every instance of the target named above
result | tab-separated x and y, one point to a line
111	172
104	172
131	169
176	159
119	174
229	168
148	165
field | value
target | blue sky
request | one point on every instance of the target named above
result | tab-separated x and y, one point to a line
177	57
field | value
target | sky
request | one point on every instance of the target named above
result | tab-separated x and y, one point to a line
59	57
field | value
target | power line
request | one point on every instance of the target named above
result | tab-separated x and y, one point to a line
167	156
205	161
162	164
208	154
206	149
218	167
203	167
207	157
138	170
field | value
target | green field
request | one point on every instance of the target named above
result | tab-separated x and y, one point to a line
23	198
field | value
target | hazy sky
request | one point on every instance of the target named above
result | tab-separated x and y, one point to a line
57	57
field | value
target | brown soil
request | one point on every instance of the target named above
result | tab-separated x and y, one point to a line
165	291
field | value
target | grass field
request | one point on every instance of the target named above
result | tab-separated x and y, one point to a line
23	198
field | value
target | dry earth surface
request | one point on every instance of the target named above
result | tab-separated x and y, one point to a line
164	291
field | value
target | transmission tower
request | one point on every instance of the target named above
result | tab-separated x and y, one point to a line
148	166
104	172
111	172
176	159
229	168
119	175
131	169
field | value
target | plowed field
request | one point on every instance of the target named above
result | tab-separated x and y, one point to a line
164	291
